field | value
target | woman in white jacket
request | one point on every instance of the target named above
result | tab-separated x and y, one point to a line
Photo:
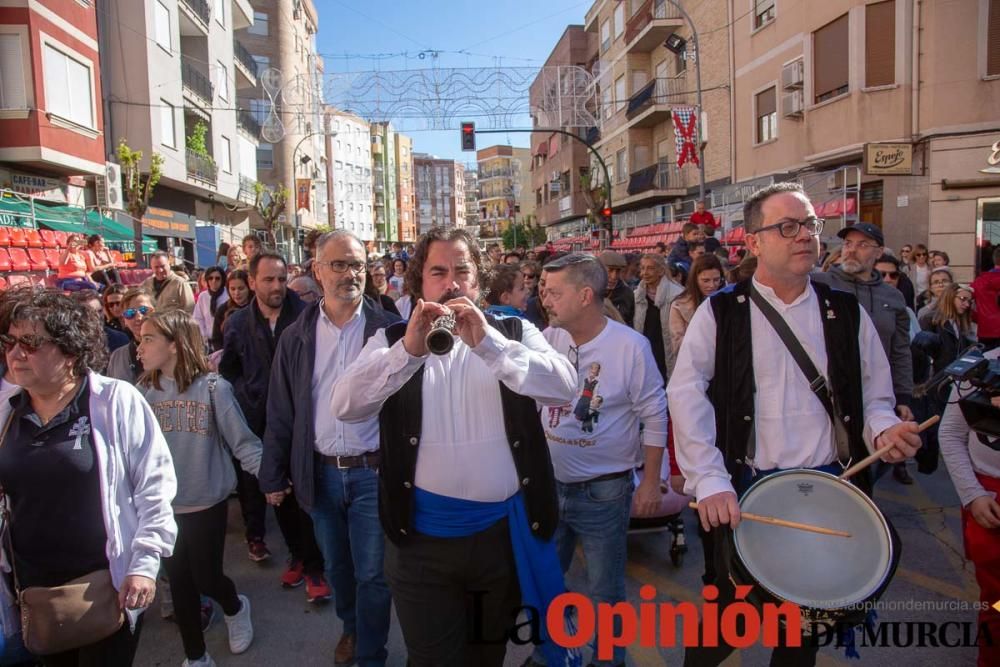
84	466
209	301
653	295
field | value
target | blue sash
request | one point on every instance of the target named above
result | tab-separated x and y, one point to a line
538	570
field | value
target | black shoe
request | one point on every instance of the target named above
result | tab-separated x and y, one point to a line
900	474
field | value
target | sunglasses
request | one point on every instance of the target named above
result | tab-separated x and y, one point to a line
131	313
30	343
528	276
214	278
114	304
920	254
890	274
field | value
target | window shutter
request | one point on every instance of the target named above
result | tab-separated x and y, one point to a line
880	44
993	40
767	102
830	58
12	93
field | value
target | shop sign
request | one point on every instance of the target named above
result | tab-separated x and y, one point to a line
993	159
888	159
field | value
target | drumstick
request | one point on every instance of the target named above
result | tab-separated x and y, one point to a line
872	458
774	521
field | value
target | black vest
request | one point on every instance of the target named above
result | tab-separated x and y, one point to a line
732	388
400	429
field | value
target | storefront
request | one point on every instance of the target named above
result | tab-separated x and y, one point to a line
174	232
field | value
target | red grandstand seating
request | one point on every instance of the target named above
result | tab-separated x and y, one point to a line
53	255
17	237
51	281
49	239
19	260
3	283
4	236
61	239
4	260
14	280
33	238
37	259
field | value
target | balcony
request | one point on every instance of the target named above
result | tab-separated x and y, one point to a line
197	87
496	173
593	135
248	190
246	123
242	14
660	179
651	105
201	167
245	64
650	26
194	17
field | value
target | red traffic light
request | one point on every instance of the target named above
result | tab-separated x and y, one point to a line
468	128
468	136
606	211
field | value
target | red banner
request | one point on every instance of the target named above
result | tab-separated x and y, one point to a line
303	187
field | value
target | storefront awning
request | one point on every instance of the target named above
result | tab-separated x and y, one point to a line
17	212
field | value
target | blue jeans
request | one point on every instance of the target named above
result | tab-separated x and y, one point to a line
348	532
596	514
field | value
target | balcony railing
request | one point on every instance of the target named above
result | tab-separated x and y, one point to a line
245	121
648	12
661	175
201	167
244	58
248	190
657	91
200	9
197	82
668	175
496	173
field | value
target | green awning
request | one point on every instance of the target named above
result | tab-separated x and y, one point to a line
16	212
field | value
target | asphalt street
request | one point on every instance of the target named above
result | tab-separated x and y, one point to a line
932	575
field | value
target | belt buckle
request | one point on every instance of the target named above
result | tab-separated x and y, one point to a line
341	466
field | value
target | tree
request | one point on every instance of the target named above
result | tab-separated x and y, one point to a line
269	203
596	197
138	186
522	234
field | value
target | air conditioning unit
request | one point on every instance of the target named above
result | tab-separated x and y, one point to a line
793	74
835	181
792	104
109	187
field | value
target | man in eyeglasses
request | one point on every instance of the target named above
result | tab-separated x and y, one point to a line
862	247
332	465
763	415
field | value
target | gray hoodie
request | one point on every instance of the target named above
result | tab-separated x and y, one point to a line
887	308
203	446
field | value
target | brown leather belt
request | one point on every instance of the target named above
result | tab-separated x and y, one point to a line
366	460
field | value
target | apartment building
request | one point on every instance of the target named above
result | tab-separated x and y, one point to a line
384	177
439	186
282	43
639	81
471	199
349	173
172	72
404	189
886	111
504	188
560	165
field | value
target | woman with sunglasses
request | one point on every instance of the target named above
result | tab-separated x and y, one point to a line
919	268
209	301
86	471
124	363
73	264
202	423
112	299
239	295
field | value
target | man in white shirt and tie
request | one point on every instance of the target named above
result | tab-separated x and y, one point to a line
740	403
467	496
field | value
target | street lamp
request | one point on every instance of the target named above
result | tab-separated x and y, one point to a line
676	44
295	170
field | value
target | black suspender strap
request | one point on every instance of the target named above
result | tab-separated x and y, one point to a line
817	383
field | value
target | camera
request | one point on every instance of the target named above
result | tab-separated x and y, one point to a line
982	375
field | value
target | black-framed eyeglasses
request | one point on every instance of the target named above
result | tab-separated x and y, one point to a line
340	266
214	277
30	343
131	313
790	228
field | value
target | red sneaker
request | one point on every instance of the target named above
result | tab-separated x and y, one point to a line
317	590
292	578
258	551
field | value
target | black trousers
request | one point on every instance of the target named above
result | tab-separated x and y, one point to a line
118	650
294	523
107	277
196	569
456	598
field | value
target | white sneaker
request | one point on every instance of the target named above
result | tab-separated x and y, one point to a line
240	627
203	661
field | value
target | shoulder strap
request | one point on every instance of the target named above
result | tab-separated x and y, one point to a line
817	383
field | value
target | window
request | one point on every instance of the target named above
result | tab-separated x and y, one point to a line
993	40
619	19
605	36
68	88
259	26
220	11
265	156
763	13
766	104
830	60
880	44
621	165
263	62
258	108
161	25
168	127
12	92
621	99
226	155
223	82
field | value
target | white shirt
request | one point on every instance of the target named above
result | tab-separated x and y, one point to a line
619	386
203	311
792	428
336	348
464	451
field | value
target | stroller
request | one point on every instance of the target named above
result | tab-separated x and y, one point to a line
666	518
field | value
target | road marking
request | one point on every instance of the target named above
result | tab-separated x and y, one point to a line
937	586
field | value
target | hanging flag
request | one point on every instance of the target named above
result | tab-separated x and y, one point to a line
685	134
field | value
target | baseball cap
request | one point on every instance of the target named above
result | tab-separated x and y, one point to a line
871	231
612	259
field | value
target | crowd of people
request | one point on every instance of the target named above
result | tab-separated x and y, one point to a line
404	476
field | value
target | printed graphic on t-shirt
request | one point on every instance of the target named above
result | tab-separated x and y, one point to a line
586	410
182	416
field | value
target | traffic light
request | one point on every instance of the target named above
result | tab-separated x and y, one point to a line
468	136
606	213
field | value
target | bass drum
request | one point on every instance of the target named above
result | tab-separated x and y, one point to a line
831	578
